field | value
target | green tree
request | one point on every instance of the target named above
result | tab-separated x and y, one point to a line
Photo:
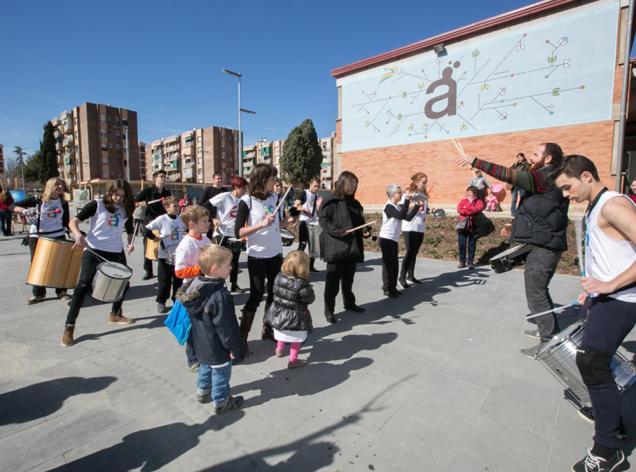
302	155
48	154
32	165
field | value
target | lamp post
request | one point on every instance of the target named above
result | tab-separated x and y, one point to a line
240	110
20	159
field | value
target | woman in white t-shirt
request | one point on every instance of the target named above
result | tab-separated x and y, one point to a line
413	230
257	222
109	217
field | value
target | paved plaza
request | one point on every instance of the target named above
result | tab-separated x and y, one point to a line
432	381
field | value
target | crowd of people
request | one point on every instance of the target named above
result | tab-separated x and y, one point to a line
199	248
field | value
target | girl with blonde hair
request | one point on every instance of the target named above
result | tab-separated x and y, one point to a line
414	229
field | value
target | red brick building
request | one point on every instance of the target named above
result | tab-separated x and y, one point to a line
549	72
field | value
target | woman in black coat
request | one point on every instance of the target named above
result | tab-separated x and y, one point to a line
341	250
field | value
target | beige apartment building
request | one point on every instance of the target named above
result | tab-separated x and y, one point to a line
96	141
249	159
326	168
194	156
142	161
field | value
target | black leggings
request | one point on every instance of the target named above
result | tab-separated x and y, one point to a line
390	265
303	239
235	260
259	270
37	290
87	271
167	279
412	241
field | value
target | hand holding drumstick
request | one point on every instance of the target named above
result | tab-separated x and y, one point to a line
370	223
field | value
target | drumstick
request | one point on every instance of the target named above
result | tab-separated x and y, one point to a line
155	201
95	254
459	147
361	226
556	310
282	200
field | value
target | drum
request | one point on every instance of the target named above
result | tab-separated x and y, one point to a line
171	253
314	239
510	258
287	237
55	264
559	357
236	245
152	247
110	281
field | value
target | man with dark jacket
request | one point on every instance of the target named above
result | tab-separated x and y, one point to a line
215	331
154	193
341	249
541	222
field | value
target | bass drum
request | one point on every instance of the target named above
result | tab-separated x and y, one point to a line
56	264
152	247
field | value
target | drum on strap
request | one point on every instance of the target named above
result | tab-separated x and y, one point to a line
236	244
559	357
55	264
510	258
287	237
152	247
110	281
314	239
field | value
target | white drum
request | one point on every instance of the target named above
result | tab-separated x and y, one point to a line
287	237
110	281
314	239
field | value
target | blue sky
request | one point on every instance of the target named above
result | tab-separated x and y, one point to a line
163	58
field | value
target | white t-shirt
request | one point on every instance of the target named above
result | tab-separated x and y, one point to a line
51	225
171	231
266	242
226	205
187	254
418	223
107	229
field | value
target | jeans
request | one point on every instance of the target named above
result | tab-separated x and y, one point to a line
466	239
412	242
5	222
87	271
609	321
390	265
37	290
215	380
259	270
541	263
340	273
167	279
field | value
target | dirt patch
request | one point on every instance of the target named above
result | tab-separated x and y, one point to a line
440	242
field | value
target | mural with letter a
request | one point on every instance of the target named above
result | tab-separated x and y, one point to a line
554	71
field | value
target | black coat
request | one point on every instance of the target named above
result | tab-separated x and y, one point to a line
148	195
215	331
289	309
335	217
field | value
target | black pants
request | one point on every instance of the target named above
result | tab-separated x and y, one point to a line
390	265
303	240
167	279
412	242
608	323
87	271
259	270
340	273
37	290
540	266
147	262
5	222
235	260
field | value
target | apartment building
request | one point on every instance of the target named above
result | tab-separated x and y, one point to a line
249	159
326	168
96	141
194	156
277	153
142	161
263	152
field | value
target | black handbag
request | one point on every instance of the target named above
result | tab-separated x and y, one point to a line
482	226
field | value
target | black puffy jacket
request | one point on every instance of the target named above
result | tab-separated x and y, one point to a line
289	309
335	217
215	331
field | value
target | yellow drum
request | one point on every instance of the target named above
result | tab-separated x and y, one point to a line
152	247
56	264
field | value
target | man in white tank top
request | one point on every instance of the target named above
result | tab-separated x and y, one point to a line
609	285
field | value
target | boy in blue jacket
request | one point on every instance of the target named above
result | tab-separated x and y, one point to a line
215	331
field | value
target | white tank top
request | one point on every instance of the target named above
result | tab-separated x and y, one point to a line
310	205
390	228
606	258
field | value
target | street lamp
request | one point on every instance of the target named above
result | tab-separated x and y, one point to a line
20	159
238	75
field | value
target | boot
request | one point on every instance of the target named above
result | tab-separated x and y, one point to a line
267	332
247	318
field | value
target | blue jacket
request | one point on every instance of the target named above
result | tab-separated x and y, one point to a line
215	331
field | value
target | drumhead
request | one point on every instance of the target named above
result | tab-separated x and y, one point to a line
512	251
114	270
565	335
286	234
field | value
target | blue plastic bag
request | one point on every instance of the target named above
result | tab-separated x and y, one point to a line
178	322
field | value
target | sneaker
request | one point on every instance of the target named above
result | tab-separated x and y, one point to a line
64	297
118	318
402	284
391	293
461	265
532	333
67	337
232	403
355	308
592	463
236	289
413	280
279	353
204	397
161	308
330	317
296	364
194	368
35	299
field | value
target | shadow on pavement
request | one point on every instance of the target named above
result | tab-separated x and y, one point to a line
157	321
45	398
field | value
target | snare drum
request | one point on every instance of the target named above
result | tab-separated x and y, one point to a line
559	357
152	247
287	237
314	239
55	264
236	244
510	258
110	281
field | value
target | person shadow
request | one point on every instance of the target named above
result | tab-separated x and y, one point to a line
157	321
45	398
153	448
